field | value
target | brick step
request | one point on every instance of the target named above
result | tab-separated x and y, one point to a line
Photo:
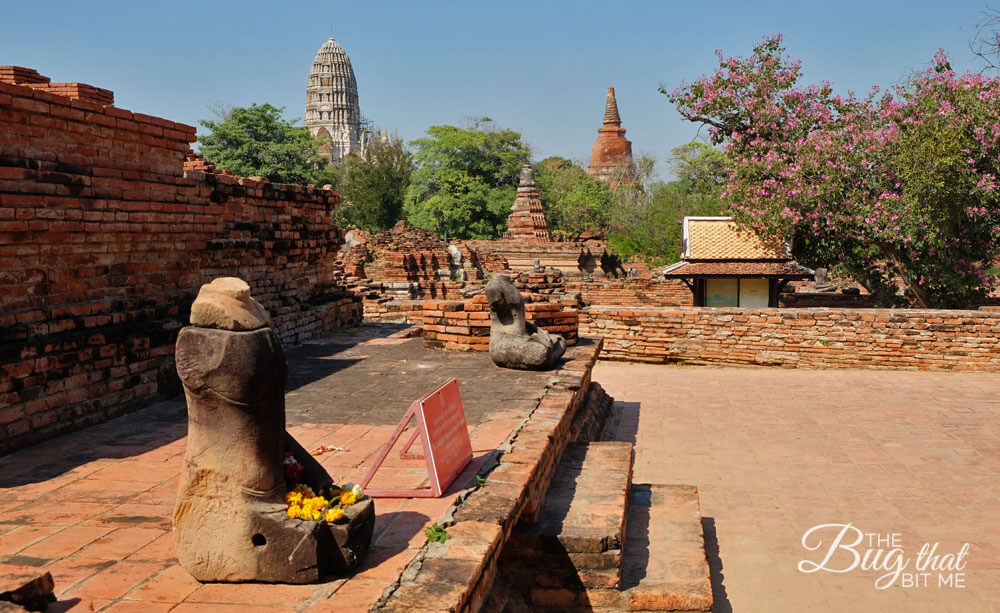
577	541
664	567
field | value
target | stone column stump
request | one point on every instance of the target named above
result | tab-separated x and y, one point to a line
230	522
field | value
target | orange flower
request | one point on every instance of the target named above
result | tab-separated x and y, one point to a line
347	498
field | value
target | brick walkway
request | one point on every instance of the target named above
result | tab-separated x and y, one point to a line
775	452
94	507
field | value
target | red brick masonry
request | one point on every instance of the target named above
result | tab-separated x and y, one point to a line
812	338
465	326
632	292
104	241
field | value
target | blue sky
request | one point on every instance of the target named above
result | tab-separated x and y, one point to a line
541	68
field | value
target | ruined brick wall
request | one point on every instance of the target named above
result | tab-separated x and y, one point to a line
398	311
407	254
30	78
806	338
540	286
572	258
104	242
483	254
636	292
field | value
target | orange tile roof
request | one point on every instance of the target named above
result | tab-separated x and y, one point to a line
721	239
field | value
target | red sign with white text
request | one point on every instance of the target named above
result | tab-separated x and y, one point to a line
445	439
446	445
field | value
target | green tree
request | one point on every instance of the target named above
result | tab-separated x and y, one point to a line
700	168
372	186
465	179
895	186
258	141
646	213
573	200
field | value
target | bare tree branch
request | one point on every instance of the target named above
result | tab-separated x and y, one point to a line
221	109
985	43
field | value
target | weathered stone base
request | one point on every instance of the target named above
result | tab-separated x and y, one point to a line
280	549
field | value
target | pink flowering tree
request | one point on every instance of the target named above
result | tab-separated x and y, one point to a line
897	186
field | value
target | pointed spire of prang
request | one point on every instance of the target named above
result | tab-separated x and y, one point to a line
611	116
611	155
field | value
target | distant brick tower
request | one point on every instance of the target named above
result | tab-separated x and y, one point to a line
527	220
611	155
332	111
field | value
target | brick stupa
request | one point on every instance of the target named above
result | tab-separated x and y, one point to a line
527	220
611	155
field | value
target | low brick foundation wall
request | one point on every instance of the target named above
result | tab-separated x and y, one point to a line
632	292
465	325
383	309
807	338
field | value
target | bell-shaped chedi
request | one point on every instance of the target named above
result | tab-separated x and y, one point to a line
527	219
232	521
611	155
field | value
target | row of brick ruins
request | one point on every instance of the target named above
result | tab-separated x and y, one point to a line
109	224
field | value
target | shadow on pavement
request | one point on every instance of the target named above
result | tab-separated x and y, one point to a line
395	530
626	421
720	599
133	434
316	359
312	362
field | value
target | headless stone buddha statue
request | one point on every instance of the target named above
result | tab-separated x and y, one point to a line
515	342
231	522
821	281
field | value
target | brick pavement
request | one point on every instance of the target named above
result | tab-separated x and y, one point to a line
94	506
777	451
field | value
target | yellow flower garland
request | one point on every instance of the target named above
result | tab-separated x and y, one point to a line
303	503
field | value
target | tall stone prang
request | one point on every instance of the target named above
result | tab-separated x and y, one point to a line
527	219
332	111
611	155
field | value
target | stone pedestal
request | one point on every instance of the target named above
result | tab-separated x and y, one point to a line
230	522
